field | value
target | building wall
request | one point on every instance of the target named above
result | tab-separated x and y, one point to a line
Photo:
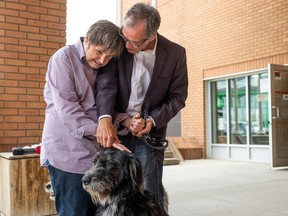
30	32
222	37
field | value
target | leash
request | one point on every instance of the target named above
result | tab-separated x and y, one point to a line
159	144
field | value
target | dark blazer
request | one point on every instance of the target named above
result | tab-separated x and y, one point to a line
168	88
106	89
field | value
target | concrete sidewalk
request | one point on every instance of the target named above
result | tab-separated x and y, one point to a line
221	188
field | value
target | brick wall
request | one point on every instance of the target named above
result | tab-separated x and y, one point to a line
30	32
222	37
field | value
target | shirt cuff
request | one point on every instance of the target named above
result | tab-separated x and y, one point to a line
104	116
154	124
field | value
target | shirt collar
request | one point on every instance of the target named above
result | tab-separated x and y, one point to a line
151	52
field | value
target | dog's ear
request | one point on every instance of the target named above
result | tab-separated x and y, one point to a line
136	173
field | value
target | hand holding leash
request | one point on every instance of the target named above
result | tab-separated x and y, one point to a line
158	144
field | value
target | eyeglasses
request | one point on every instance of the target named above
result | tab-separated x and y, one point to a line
131	42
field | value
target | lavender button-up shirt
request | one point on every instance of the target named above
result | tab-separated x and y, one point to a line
70	113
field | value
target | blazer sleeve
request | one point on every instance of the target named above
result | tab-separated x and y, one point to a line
175	93
106	85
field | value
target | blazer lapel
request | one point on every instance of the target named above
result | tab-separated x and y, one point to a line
161	54
128	69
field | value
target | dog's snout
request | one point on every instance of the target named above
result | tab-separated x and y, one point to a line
86	180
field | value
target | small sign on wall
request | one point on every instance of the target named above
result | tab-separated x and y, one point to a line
262	97
277	75
285	96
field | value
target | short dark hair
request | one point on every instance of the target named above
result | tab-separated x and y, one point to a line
144	12
105	33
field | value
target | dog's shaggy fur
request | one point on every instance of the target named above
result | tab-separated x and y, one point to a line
115	181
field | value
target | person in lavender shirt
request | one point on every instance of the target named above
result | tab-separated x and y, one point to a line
76	124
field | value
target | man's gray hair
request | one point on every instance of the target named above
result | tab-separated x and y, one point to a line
143	12
105	33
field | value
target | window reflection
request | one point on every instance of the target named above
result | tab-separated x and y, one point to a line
237	89
237	119
259	119
219	116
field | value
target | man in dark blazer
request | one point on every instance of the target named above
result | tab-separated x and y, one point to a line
153	77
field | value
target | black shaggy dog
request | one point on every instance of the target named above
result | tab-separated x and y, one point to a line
115	181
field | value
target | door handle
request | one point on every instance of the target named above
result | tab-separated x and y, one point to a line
277	112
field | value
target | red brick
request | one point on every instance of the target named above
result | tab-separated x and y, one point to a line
31	2
8	83
28	140
34	133
9	40
50	45
8	97
27	112
36	105
7	141
40	10
9	26
9	12
29	98
29	56
19	91
15	118
15	76
47	31
36	50
16	34
15	48
50	5
10	104
35	118
14	133
8	54
39	78
9	111
29	29
61	40
8	69
56	26
31	126
29	15
16	62
40	37
35	92
49	18
36	64
8	126
18	7
16	20
29	42
28	70
58	13
37	23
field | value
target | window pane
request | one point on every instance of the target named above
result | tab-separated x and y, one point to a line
259	128
219	116
237	89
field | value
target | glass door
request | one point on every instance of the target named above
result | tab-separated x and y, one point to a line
279	114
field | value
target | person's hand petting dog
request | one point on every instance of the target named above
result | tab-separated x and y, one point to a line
106	135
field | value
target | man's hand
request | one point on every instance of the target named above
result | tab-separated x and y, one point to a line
134	124
106	134
147	129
